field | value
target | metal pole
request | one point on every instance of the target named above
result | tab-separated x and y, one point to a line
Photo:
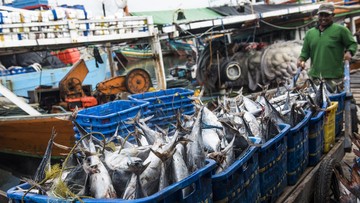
347	108
218	62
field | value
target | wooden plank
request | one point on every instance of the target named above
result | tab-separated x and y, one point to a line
29	137
20	103
303	191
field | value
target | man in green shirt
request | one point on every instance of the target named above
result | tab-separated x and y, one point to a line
327	45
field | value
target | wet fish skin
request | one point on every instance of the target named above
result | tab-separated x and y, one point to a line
100	182
45	164
194	150
224	158
77	180
149	179
251	106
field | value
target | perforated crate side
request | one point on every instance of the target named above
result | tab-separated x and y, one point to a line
200	179
316	138
298	149
240	182
339	118
273	166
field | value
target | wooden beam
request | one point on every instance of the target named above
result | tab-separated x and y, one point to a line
17	101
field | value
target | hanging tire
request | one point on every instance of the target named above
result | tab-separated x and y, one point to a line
327	186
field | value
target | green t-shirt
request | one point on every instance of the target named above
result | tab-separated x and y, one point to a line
326	50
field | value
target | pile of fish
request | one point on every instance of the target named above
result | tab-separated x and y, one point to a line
156	158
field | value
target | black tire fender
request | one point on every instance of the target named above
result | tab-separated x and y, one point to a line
354	117
327	186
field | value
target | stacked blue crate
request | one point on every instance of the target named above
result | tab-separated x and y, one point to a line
240	182
339	118
106	118
273	166
164	105
200	181
316	137
298	149
25	3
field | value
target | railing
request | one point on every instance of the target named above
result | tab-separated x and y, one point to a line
74	32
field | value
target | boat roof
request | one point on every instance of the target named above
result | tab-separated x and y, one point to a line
197	21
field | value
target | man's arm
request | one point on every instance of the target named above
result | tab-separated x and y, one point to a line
350	44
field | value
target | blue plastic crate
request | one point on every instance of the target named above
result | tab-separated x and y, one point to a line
339	118
171	105
114	112
123	131
200	179
162	112
273	166
240	182
298	149
25	3
162	97
316	137
167	121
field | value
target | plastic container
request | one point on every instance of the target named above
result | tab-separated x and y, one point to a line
329	126
163	112
176	96
68	56
298	149
316	137
339	118
25	3
111	113
108	131
273	166
200	179
166	121
165	104
240	182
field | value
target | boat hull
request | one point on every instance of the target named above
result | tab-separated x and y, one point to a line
29	135
20	84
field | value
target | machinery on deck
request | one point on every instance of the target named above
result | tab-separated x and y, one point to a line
72	92
71	88
136	81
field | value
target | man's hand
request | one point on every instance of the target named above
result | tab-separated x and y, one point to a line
301	64
347	56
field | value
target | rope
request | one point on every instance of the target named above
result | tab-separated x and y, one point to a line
287	28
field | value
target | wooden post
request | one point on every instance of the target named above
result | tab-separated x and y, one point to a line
110	58
158	58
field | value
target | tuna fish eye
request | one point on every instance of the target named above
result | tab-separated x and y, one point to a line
88	160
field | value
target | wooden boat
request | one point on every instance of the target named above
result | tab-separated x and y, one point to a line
133	53
29	135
